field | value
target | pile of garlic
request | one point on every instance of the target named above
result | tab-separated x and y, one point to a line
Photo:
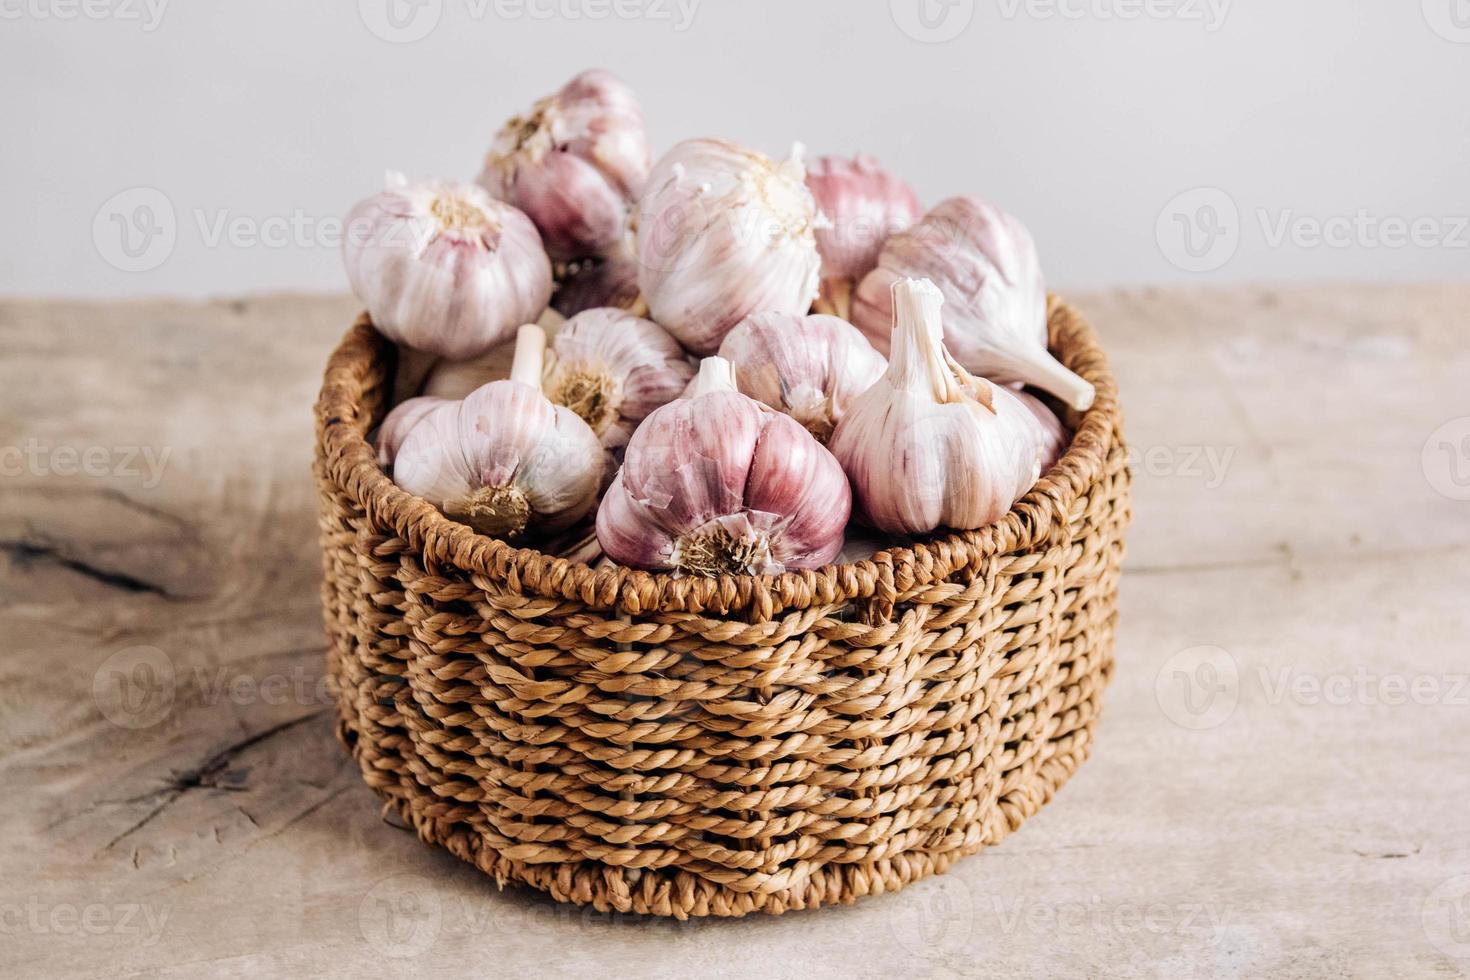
862	360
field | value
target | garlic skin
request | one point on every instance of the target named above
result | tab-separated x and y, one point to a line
593	283
985	264
575	164
722	232
396	426
445	268
716	483
612	368
1054	433
504	460
864	205
929	445
809	367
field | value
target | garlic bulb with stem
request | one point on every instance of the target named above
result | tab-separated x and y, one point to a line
863	205
445	268
456	379
504	460
985	264
929	445
810	367
716	483
575	164
396	426
722	232
612	368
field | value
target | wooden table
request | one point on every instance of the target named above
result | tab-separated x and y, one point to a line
1281	783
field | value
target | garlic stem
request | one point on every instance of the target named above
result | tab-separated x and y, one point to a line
715	374
1049	374
918	361
530	355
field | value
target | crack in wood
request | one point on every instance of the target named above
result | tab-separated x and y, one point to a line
24	553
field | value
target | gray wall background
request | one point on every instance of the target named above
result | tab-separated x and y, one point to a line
192	148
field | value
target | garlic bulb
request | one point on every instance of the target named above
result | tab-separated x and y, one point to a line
809	367
985	264
717	483
504	460
395	427
863	204
574	164
929	445
723	232
445	268
613	368
592	283
1054	434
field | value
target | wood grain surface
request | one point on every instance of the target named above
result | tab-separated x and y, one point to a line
1280	784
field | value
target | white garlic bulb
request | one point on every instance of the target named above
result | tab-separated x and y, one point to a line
929	445
396	426
863	205
723	232
504	460
716	483
612	368
1054	434
985	264
810	367
445	268
574	164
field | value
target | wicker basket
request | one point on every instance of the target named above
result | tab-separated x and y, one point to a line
692	746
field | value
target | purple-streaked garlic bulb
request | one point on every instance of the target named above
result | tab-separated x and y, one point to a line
593	283
716	483
395	427
929	445
985	264
612	368
445	268
723	232
863	205
504	460
810	367
1054	433
575	164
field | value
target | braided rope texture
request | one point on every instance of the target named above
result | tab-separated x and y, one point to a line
716	746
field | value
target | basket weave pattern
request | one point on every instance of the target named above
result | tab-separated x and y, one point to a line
693	746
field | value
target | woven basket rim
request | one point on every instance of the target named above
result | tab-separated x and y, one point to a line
358	363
